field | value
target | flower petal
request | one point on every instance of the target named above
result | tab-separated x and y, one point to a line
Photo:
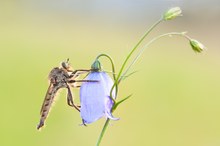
95	99
108	84
108	108
92	98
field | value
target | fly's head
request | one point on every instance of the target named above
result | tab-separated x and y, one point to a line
59	76
66	66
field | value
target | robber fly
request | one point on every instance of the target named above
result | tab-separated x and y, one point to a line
60	77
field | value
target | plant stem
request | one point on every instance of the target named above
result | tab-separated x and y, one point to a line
147	45
113	70
133	62
116	82
132	51
103	132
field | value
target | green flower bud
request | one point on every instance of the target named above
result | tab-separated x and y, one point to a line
196	46
172	13
96	65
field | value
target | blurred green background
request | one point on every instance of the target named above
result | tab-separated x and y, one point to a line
176	92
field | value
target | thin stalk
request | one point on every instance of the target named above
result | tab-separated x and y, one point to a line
113	70
116	82
148	44
132	51
103	132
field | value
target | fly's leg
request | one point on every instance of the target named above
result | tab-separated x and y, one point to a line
77	72
84	123
74	85
70	99
74	81
81	70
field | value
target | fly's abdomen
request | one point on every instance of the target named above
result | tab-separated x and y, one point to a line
45	109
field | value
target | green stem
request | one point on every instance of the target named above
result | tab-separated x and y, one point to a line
116	82
108	120
113	70
133	62
132	51
103	132
149	43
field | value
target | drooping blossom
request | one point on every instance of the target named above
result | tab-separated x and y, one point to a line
95	97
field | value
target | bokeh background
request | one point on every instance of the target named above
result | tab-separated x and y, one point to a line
176	92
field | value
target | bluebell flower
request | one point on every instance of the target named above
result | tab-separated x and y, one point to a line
95	97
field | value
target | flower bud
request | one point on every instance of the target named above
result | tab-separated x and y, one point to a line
96	65
172	13
197	46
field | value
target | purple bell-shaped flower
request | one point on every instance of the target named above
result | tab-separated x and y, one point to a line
95	97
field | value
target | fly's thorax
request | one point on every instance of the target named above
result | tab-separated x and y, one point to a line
58	76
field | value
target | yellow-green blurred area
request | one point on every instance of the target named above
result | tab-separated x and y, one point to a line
176	92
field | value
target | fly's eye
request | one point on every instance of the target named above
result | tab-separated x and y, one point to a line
65	64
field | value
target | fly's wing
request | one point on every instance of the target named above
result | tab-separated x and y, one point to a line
48	100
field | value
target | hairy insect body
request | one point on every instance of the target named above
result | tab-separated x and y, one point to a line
58	78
